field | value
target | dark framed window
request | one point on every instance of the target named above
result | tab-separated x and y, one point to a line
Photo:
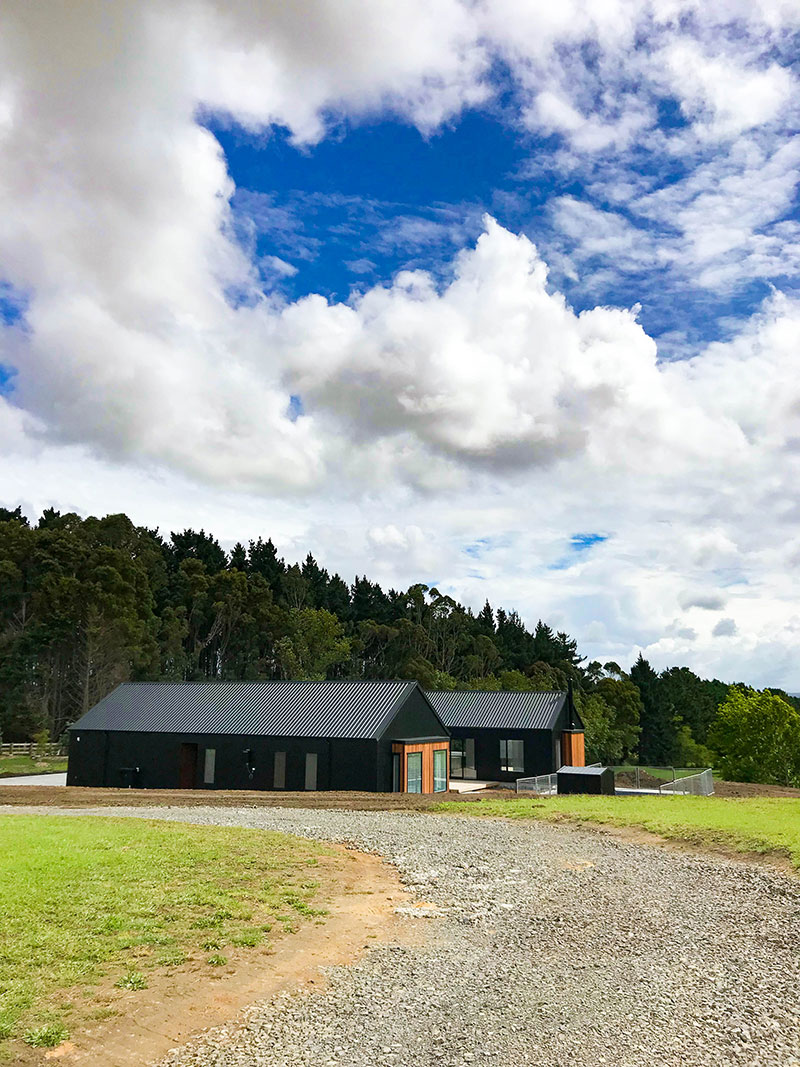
440	770
512	755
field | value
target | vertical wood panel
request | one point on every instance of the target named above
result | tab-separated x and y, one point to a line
427	749
573	752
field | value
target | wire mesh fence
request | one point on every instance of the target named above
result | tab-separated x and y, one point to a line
696	785
632	779
544	785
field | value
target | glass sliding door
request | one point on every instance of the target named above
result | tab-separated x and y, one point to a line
457	758
440	770
414	772
462	758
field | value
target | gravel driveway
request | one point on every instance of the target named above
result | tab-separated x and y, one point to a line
554	946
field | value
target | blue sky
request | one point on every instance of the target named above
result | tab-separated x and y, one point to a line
374	198
502	292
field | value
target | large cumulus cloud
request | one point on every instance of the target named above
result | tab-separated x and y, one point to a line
149	346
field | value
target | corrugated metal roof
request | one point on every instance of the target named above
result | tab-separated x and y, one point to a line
465	709
345	710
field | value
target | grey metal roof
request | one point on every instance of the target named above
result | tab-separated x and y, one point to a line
465	709
345	710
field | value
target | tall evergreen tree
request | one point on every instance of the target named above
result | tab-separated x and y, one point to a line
658	740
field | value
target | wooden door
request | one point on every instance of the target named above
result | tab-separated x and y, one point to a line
187	766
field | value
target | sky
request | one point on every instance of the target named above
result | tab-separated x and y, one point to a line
498	296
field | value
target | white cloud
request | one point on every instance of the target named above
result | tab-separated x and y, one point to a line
152	365
724	96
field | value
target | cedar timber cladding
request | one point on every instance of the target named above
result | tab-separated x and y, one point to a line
251	735
427	748
572	749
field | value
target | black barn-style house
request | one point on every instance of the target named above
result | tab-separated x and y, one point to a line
499	736
374	736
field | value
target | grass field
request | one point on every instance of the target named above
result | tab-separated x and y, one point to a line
10	766
88	904
751	825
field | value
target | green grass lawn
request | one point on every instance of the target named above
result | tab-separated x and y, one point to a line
89	903
744	825
10	766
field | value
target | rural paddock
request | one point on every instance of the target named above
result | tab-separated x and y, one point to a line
544	945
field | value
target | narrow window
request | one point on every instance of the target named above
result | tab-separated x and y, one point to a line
279	773
395	772
311	770
512	755
440	770
414	772
210	766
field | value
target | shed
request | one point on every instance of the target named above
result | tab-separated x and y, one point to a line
596	780
375	736
502	736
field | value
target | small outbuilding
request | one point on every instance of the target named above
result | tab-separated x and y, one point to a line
592	780
502	736
374	736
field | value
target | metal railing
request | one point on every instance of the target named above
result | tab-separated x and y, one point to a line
544	785
695	785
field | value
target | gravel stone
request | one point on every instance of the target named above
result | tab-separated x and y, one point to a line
545	945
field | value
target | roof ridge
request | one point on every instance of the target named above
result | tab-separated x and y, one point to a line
274	681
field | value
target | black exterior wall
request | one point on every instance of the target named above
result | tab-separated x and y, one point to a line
539	754
107	758
542	750
153	760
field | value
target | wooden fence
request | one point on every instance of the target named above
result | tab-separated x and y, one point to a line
30	748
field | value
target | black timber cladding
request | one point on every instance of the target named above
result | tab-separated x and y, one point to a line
344	710
472	709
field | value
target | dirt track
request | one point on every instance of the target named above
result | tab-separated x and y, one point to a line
83	797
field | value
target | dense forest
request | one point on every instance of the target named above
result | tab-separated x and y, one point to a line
88	603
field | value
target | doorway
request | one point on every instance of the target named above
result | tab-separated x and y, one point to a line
462	758
187	766
414	772
311	770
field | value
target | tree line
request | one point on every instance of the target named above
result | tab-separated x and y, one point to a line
88	603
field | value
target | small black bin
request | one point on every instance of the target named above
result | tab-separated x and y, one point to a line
586	780
129	777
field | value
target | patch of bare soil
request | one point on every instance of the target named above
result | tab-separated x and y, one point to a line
360	892
87	797
753	789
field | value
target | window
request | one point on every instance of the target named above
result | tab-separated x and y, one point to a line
209	767
512	755
279	772
414	772
396	772
311	770
440	770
